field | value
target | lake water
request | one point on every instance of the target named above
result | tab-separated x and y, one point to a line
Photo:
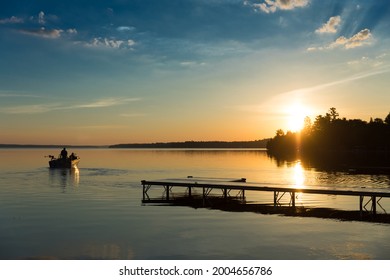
95	212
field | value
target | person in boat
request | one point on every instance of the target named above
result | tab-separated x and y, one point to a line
64	153
72	156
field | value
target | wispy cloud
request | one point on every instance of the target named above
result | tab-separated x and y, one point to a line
16	94
192	63
330	26
111	43
43	108
303	93
125	28
338	82
30	109
48	33
366	61
103	127
271	6
43	32
11	20
359	39
105	103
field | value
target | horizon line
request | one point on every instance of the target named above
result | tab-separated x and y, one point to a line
138	143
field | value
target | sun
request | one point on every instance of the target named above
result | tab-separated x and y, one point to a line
296	114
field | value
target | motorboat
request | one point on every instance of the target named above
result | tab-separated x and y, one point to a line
63	162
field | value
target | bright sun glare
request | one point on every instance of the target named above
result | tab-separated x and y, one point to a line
296	114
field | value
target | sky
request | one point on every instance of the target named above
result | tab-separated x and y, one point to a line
138	71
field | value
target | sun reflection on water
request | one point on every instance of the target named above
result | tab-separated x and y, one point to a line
76	177
299	180
299	175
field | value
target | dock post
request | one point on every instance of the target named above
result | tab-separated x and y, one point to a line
293	199
167	193
361	198
204	196
143	190
275	199
373	198
189	192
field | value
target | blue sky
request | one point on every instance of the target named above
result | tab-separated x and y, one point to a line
105	72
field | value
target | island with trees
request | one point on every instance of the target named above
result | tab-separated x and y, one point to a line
331	141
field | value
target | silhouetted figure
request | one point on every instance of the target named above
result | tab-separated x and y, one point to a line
64	153
72	156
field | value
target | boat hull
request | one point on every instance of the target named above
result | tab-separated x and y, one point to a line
63	163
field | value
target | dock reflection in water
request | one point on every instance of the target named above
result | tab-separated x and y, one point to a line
236	205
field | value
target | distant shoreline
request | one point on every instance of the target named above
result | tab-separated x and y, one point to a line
163	145
196	145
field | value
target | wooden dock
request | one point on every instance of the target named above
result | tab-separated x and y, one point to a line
369	200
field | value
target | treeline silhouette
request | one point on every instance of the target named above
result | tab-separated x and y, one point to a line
197	145
333	140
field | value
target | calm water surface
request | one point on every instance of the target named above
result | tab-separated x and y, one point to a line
95	212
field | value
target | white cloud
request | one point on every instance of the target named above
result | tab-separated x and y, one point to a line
43	32
130	43
359	39
41	18
330	26
312	49
12	20
271	6
72	31
125	28
111	43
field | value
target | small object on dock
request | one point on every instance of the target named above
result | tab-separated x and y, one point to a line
239	180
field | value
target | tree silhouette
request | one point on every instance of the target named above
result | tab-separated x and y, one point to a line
331	137
333	114
387	119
